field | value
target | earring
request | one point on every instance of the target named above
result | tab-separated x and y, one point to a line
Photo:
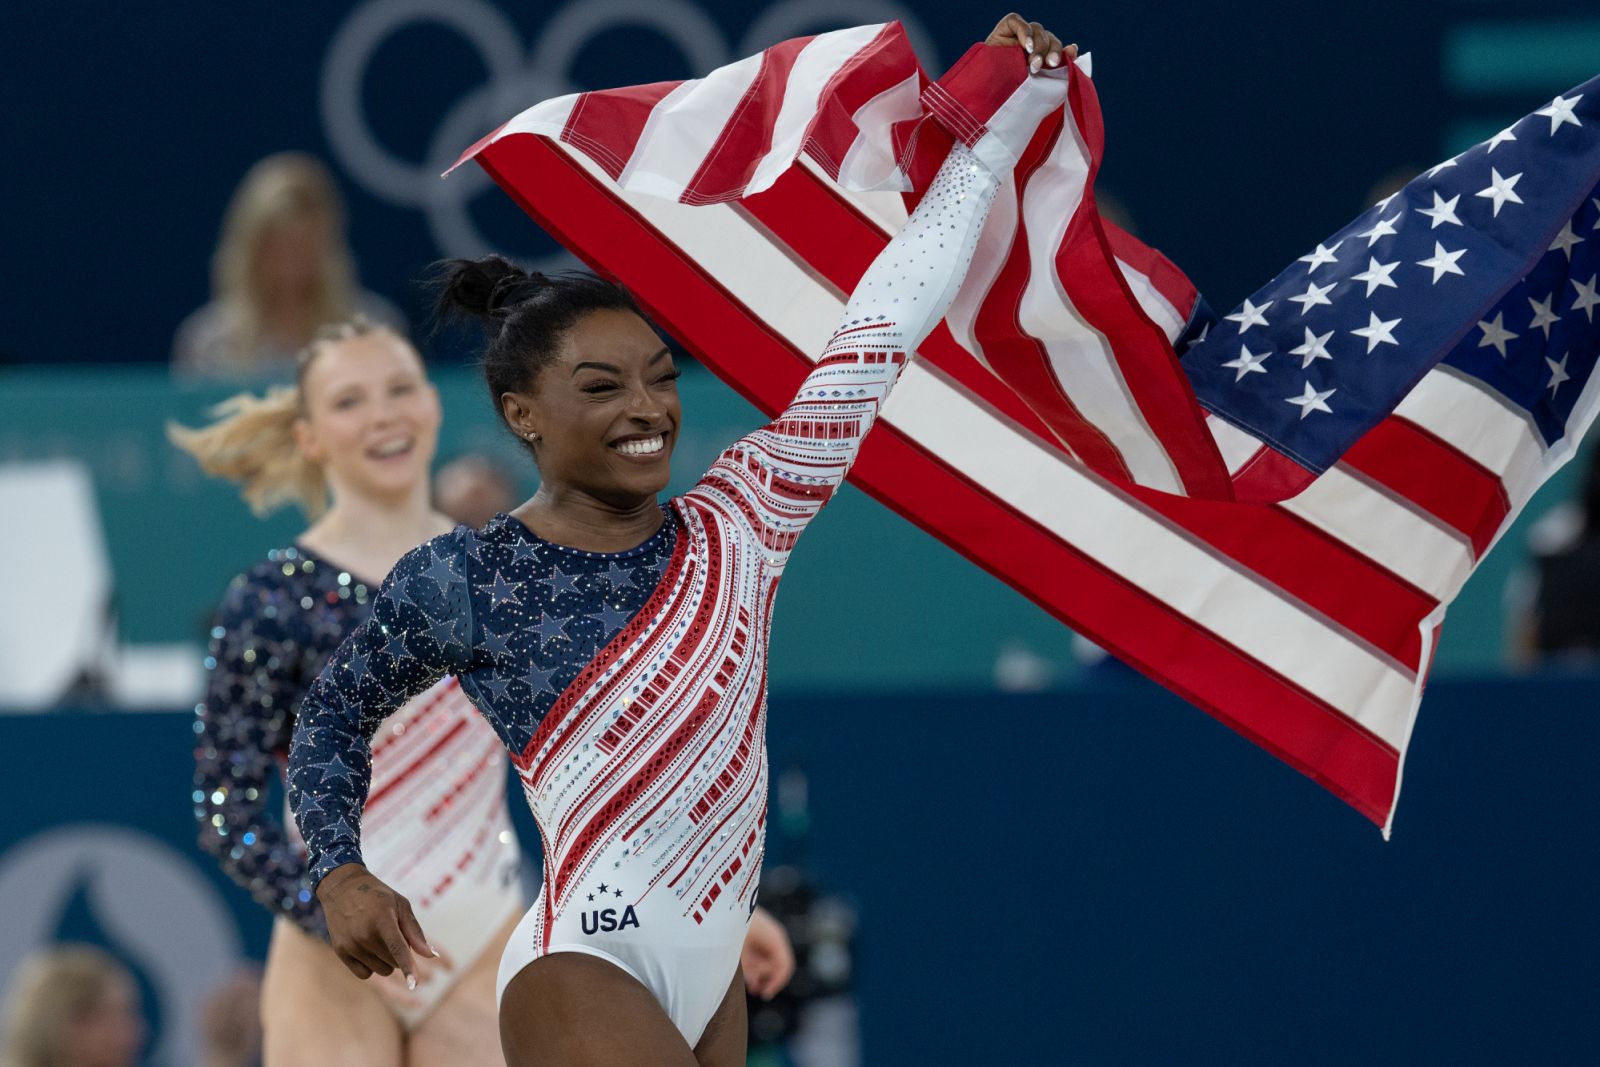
531	435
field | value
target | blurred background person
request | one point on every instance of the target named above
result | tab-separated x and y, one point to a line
72	1006
1554	601
282	268
472	489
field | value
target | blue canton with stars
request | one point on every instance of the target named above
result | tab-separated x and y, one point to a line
1489	262
514	616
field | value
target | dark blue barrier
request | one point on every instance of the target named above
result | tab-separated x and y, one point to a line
1094	876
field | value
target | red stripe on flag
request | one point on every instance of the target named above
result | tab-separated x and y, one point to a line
607	125
1095	285
1173	285
883	63
747	135
1216	676
1431	474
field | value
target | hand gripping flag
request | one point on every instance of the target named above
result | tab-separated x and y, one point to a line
1271	525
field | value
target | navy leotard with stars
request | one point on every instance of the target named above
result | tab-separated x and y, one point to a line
276	627
514	616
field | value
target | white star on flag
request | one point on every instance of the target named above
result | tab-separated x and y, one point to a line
1543	316
1565	240
1559	112
1495	333
1442	166
1596	202
1314	349
1312	400
1558	373
1323	255
1248	363
1501	189
1500	138
1377	274
1587	298
1250	316
1384	228
1442	211
1443	262
1377	332
1315	294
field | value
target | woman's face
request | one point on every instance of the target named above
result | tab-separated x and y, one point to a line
112	1033
606	410
289	255
372	417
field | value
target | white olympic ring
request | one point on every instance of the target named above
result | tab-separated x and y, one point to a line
514	83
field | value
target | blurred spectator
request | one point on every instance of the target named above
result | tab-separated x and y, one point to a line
472	489
230	1022
282	269
1555	603
72	1006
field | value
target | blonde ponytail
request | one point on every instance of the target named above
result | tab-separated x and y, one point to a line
251	441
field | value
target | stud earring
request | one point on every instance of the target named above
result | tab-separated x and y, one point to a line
532	436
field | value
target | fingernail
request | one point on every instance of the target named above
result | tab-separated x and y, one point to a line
1027	44
1034	63
411	981
432	951
1054	59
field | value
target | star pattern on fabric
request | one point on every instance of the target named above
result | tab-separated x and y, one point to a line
1312	400
1377	275
1443	262
1543	316
1442	212
1381	229
1320	257
1495	333
1566	240
1587	298
1250	315
1559	112
1247	362
1558	373
1315	294
502	592
1314	348
1501	190
1377	332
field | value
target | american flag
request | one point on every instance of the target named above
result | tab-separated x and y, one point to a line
1272	525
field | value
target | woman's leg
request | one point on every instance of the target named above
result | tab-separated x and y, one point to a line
313	1010
464	1029
726	1040
570	1009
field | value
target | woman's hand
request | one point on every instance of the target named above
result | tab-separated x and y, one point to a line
370	926
767	958
1044	46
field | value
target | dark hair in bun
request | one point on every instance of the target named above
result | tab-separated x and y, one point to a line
524	314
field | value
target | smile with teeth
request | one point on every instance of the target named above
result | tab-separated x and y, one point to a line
392	448
643	446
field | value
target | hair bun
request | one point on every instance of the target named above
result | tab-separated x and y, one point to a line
485	289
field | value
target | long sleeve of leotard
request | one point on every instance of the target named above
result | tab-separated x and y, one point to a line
780	476
420	629
253	682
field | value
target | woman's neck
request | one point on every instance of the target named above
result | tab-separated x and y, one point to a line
574	518
367	535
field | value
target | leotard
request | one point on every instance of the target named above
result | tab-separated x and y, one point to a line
637	723
439	771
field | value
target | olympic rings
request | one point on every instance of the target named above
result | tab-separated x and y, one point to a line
515	82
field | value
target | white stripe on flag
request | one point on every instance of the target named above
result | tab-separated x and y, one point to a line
683	127
870	161
885	209
1480	425
1081	357
1237	447
1158	307
813	68
548	118
1399	538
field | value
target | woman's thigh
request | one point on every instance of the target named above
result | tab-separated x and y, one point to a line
570	1009
726	1041
464	1029
313	1010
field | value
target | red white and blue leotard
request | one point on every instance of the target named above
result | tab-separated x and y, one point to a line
638	727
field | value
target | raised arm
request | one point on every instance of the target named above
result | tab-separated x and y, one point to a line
780	476
252	685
